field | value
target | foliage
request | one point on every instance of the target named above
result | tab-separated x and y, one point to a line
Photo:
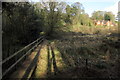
102	15
98	15
109	16
20	25
24	22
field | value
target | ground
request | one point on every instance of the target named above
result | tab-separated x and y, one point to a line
79	55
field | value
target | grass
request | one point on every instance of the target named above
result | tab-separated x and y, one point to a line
45	66
97	44
95	29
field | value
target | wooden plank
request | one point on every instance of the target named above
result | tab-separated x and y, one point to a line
12	66
27	65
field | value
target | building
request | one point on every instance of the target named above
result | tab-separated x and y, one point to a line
103	23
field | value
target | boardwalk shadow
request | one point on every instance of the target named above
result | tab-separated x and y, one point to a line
51	61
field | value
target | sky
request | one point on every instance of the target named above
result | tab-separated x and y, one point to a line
94	5
91	5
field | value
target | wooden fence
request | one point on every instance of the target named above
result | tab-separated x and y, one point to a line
10	64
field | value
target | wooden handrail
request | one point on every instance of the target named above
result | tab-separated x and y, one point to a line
20	50
19	59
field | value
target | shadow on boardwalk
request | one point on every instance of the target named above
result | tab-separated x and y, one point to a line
51	60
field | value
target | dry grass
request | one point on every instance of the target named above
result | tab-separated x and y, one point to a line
100	50
97	44
43	65
95	29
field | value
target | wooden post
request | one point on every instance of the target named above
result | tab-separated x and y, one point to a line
86	63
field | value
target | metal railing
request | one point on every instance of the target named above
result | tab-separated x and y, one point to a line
30	48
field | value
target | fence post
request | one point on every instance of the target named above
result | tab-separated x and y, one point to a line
86	63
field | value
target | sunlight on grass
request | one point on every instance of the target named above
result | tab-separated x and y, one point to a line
44	65
60	63
77	46
94	29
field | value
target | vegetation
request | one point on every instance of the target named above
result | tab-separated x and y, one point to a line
23	22
72	37
109	16
98	15
102	15
20	26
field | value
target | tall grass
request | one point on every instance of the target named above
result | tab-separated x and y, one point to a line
95	29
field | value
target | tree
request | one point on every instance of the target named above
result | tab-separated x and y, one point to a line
85	20
78	8
73	12
52	15
20	25
98	15
102	15
68	14
109	16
